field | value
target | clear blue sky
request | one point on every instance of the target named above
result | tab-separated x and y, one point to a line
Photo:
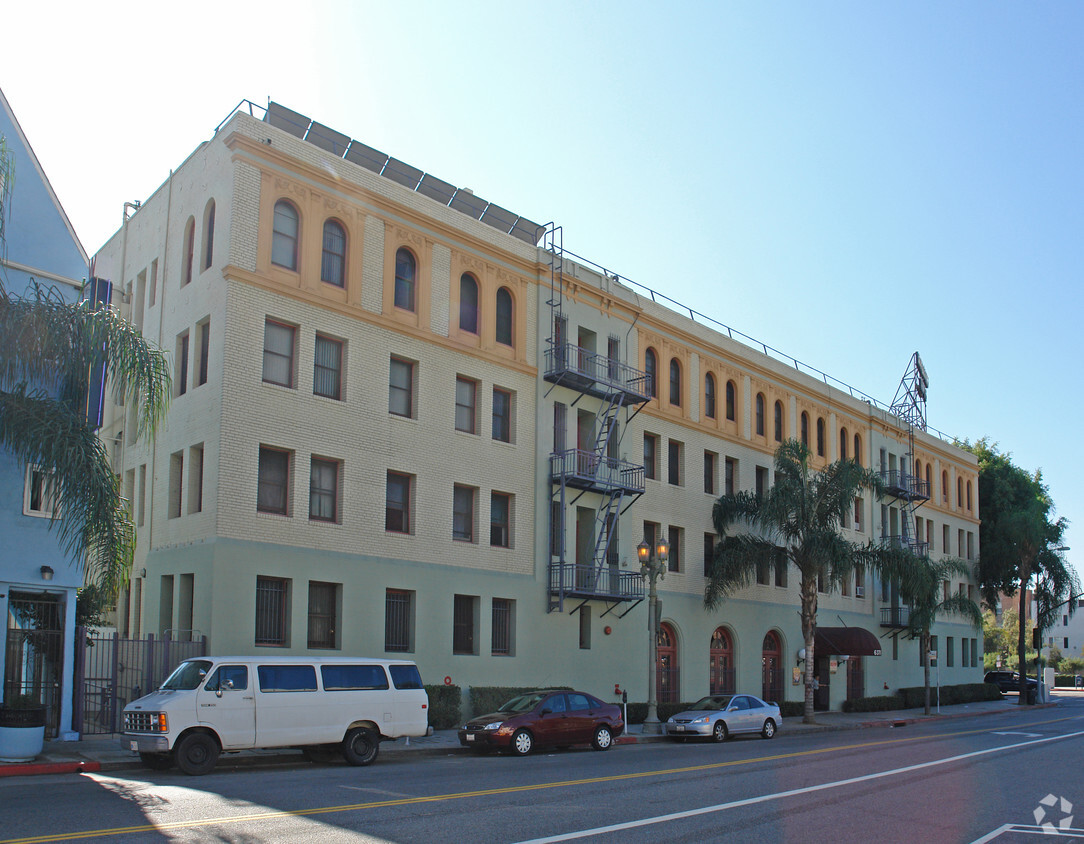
848	182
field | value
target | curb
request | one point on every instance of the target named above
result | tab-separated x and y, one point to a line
33	768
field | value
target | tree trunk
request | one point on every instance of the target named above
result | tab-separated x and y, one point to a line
809	629
924	643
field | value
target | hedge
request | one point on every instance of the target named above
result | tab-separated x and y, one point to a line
485	699
915	696
444	706
881	703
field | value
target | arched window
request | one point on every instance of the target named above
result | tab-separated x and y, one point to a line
709	396
285	235
405	271
843	443
771	658
959	492
779	421
820	436
944	486
666	674
805	429
189	246
731	400
675	382
651	370
721	669
504	316
969	496
858	449
760	414
208	235
333	259
468	303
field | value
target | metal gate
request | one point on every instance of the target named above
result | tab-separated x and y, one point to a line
34	652
112	671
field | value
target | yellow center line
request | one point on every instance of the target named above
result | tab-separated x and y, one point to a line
489	792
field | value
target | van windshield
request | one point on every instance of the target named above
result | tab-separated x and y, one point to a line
187	675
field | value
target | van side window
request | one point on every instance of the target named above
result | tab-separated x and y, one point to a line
406	676
338	678
228	678
287	678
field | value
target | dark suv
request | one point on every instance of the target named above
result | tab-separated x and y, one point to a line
1009	681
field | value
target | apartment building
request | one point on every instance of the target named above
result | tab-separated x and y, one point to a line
405	421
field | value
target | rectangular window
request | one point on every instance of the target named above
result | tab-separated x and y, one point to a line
762	480
709	552
181	365
559	437
556	529
585	627
675	462
860	581
323	614
195	479
141	507
677	539
398	621
271	616
964	660
730	469
154	281
711	460
324	490
651	534
960	542
463	513
781	567
272	494
401	388
397	509
950	651
858	514
502	415
970	545
975	652
500	520
278	353
466	402
203	332
328	368
464	624
845	587
764	572
40	493
503	626
176	475
651	456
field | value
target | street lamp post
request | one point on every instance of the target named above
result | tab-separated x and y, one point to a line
652	569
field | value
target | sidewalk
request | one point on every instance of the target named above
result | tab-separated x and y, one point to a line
104	753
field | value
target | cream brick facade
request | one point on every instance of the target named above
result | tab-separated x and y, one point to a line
203	542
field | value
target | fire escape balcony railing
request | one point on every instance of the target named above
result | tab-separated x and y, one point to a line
895	616
586	470
915	546
609	583
903	485
595	374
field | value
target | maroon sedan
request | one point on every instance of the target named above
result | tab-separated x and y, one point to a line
552	717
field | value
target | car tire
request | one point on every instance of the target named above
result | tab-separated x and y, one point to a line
719	732
522	742
196	754
768	730
156	761
603	739
360	747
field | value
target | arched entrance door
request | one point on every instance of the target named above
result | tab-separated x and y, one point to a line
721	672
666	670
772	662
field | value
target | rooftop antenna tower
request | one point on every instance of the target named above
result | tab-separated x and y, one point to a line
910	490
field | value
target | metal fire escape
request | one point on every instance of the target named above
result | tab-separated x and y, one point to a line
597	470
903	484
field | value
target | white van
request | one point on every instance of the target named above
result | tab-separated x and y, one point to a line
325	706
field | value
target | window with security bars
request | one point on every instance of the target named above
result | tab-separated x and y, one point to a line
398	620
327	368
271	596
502	626
464	615
323	611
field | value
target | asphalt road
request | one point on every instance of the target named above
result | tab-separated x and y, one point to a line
969	779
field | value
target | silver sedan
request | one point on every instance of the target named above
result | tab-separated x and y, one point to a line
721	716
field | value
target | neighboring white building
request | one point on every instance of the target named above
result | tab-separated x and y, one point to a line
400	425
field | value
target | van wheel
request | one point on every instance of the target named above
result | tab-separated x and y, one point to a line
156	761
196	754
319	753
361	746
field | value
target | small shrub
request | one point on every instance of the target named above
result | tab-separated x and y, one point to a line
444	706
880	703
792	708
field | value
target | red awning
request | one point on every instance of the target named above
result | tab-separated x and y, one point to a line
845	641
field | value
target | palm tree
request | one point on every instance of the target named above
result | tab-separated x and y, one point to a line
800	515
921	582
49	351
